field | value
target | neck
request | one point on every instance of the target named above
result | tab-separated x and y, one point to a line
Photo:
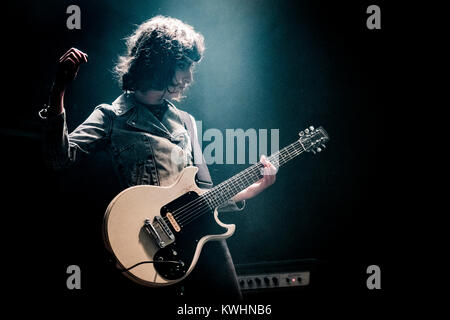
152	97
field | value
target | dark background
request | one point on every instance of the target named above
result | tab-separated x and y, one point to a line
275	65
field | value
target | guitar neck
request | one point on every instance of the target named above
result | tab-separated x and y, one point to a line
229	188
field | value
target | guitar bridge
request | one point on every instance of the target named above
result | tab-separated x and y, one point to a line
159	231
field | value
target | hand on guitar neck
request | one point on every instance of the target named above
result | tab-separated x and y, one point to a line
268	179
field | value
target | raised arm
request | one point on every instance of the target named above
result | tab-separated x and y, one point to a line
60	148
67	70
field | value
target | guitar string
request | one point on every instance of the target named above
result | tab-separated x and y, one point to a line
216	196
190	215
220	188
189	211
208	199
199	213
244	174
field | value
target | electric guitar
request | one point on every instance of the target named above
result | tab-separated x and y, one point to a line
156	234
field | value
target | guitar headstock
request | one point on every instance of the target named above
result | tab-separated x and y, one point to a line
313	139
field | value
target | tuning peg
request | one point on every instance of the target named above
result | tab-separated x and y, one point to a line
301	134
318	149
323	146
312	150
311	128
306	131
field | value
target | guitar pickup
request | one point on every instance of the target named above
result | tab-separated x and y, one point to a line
159	231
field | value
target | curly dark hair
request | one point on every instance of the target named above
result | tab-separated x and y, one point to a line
153	51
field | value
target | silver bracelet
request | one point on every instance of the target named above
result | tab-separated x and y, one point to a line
42	113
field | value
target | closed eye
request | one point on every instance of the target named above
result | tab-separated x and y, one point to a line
182	65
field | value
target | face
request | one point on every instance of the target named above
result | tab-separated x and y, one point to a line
181	80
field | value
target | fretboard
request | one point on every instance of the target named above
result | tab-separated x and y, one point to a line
229	188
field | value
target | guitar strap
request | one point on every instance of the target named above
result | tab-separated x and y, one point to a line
203	177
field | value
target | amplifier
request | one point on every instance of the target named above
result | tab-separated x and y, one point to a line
275	276
273	280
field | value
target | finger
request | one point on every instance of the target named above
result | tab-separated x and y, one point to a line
273	169
263	160
69	55
74	58
70	61
268	170
66	54
78	54
81	55
75	51
77	58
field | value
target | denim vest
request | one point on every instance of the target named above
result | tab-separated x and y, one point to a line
144	149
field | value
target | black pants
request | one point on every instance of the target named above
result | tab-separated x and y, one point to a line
214	277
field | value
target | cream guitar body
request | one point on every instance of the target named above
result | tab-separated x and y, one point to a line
129	237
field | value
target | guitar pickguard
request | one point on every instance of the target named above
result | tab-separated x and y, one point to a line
185	209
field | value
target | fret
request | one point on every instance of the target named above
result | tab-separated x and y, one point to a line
229	188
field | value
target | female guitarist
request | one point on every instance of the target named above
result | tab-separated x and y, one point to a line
144	130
